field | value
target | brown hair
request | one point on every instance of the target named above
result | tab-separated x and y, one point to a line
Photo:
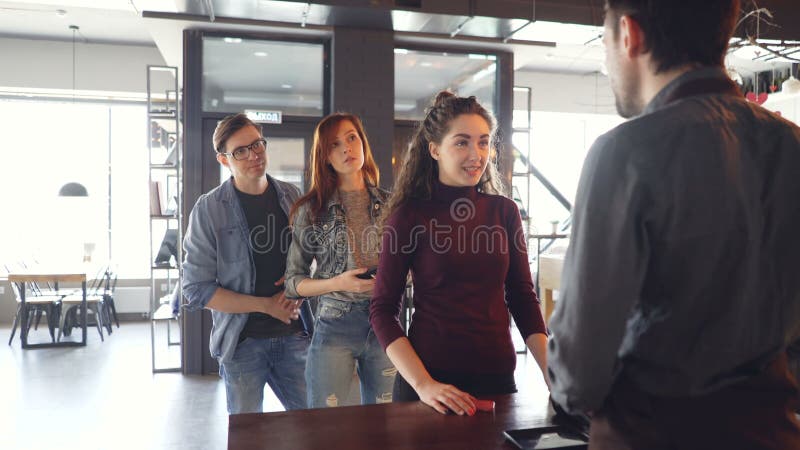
324	179
228	126
420	170
681	32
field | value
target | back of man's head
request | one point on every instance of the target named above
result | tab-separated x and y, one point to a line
681	32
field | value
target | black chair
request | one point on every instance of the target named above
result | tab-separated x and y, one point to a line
108	299
36	304
95	304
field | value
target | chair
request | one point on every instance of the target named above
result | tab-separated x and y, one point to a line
108	299
95	303
35	305
49	290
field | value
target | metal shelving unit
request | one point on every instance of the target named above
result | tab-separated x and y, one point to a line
166	253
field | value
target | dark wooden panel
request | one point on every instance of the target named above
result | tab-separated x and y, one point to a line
390	426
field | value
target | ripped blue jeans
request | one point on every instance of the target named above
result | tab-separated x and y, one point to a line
343	341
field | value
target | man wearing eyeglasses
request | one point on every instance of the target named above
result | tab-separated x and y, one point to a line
235	257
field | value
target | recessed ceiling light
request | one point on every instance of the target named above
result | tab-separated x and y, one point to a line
286	86
232	40
425	64
262	54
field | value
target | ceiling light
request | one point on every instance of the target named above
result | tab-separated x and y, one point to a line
73	190
261	54
400	51
425	64
286	86
230	40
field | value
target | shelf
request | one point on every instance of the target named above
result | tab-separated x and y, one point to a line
164	312
168	123
162	115
165	174
164	166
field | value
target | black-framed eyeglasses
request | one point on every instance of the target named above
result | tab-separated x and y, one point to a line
243	152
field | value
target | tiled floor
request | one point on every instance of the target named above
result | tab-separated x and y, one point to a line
104	396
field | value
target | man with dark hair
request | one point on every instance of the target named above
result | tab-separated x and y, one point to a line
235	257
680	291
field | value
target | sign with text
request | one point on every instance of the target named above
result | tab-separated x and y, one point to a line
259	116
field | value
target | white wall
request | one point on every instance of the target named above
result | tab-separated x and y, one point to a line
99	67
589	93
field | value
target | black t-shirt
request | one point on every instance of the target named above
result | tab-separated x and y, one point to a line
269	242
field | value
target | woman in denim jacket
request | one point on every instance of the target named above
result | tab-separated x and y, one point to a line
334	225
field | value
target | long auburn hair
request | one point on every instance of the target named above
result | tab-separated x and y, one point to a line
324	179
420	170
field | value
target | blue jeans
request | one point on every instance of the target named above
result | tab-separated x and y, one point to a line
343	340
279	362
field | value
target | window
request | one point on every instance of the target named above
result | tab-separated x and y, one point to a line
419	76
241	74
49	144
559	143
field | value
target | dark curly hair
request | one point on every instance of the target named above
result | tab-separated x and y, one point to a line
420	170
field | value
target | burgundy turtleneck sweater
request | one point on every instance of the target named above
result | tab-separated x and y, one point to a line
467	255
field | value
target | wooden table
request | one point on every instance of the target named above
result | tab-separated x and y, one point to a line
391	426
42	276
550	266
548	272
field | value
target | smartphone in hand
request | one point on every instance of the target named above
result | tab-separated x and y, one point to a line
369	274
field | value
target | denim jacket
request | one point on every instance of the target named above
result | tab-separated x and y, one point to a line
217	254
325	240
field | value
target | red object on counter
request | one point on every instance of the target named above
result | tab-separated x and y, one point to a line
484	405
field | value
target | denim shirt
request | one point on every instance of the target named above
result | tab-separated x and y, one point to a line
217	254
325	240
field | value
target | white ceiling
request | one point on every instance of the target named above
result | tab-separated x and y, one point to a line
578	48
116	22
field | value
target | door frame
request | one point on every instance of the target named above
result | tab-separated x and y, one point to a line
292	127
